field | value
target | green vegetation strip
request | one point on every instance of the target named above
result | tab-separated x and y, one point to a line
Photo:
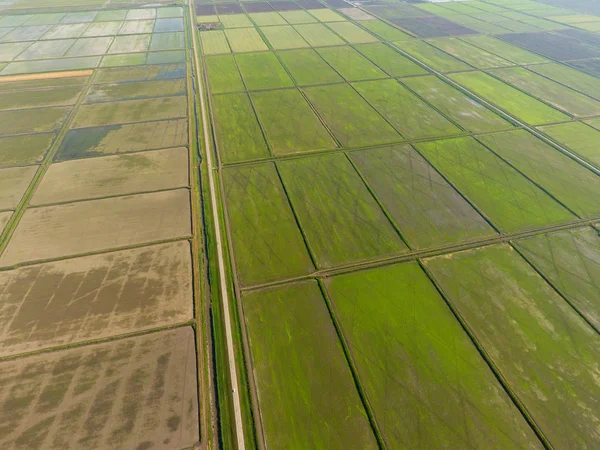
427	210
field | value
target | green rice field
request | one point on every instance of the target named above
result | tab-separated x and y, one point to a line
300	224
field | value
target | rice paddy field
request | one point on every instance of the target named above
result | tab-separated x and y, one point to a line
410	201
300	224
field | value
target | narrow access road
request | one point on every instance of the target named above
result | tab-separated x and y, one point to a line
237	410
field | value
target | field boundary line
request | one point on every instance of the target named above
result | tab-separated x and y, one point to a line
488	360
427	253
219	245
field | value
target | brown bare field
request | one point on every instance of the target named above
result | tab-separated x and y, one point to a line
94	297
83	227
4	218
113	175
131	111
136	393
46	76
13	183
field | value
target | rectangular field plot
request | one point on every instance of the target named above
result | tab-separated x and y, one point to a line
555	46
84	397
352	33
511	100
293	343
318	35
214	42
238	133
130	44
45	49
135	90
297	17
538	342
572	184
113	175
223	74
559	96
32	121
507	51
103	29
101	141
284	36
266	240
95	225
90	46
267	18
95	297
353	121
262	71
578	137
14	182
427	210
341	220
144	73
432	56
463	110
570	260
468	53
51	65
412	117
511	201
245	40
307	67
167	41
351	64
289	123
4	218
21	150
570	77
130	111
413	357
385	31
392	62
